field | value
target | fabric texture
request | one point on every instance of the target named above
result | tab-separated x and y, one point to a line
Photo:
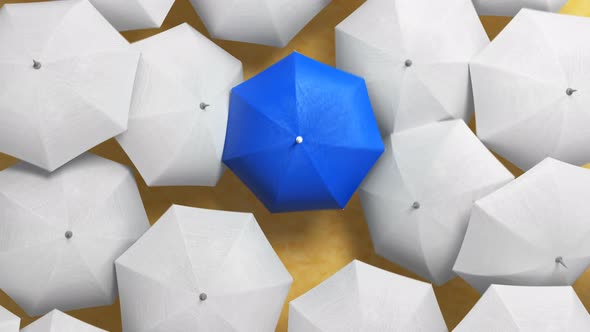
134	14
414	55
57	321
363	298
202	270
418	197
512	7
179	110
9	322
266	22
301	135
62	92
527	309
530	232
532	92
61	232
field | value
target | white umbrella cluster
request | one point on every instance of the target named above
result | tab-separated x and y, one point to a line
63	93
74	233
438	202
512	7
66	216
361	297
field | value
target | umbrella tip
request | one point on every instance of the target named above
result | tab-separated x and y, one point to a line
203	106
36	64
570	91
416	205
408	63
203	297
69	235
559	260
299	140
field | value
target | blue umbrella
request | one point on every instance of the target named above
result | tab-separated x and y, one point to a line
302	135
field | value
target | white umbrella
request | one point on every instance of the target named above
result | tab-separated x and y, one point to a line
202	270
414	56
511	7
363	298
9	322
57	321
61	232
418	196
267	22
179	110
527	309
134	14
532	92
533	231
66	79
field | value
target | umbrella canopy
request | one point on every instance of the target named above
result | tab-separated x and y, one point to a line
179	110
531	88
57	321
61	232
512	7
61	92
301	135
266	22
414	55
134	14
9	322
533	231
418	197
527	309
202	270
363	298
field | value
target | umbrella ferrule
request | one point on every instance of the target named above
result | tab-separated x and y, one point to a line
204	106
416	205
570	91
36	64
559	260
68	234
408	63
203	296
299	140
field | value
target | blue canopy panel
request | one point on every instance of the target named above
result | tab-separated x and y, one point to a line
328	109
